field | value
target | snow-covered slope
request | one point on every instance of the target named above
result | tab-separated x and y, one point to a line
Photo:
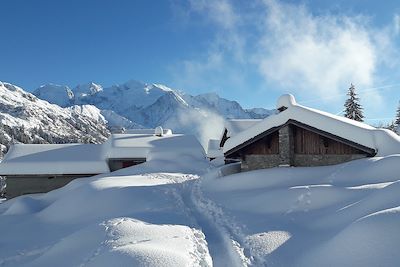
27	119
124	99
85	90
259	113
342	215
106	117
226	108
163	109
179	210
127	218
115	121
56	94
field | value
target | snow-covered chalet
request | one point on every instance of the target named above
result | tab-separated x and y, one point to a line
39	168
300	136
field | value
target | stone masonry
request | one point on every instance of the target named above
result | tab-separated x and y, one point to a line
286	146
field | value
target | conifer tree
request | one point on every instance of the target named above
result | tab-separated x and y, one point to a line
353	109
397	120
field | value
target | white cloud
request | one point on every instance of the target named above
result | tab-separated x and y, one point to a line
218	64
194	72
396	23
292	48
318	54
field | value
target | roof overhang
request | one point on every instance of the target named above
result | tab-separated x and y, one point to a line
368	150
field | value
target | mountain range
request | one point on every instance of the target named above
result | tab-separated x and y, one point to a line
137	104
89	113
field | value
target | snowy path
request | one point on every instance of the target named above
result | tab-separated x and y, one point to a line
209	218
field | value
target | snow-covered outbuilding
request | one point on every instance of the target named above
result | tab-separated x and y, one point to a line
38	168
302	136
124	150
34	168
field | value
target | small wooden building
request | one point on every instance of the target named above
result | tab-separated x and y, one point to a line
300	136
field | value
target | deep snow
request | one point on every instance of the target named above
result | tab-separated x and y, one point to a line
169	212
343	215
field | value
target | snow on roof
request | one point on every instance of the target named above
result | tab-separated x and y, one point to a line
175	146
35	159
384	142
140	145
213	150
24	159
235	126
147	131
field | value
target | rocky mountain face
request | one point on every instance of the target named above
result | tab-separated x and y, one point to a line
27	119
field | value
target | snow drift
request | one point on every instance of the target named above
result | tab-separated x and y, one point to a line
181	211
342	215
120	219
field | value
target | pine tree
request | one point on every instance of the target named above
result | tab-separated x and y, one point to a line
397	120
353	109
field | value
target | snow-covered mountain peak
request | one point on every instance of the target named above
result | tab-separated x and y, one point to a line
138	104
211	97
173	99
57	94
132	84
83	90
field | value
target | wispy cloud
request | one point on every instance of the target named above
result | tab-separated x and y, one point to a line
292	48
322	54
218	64
396	23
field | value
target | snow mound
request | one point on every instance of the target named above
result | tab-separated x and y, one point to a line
342	215
129	242
117	219
179	210
286	100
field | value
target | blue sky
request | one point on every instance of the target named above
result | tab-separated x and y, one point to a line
250	51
